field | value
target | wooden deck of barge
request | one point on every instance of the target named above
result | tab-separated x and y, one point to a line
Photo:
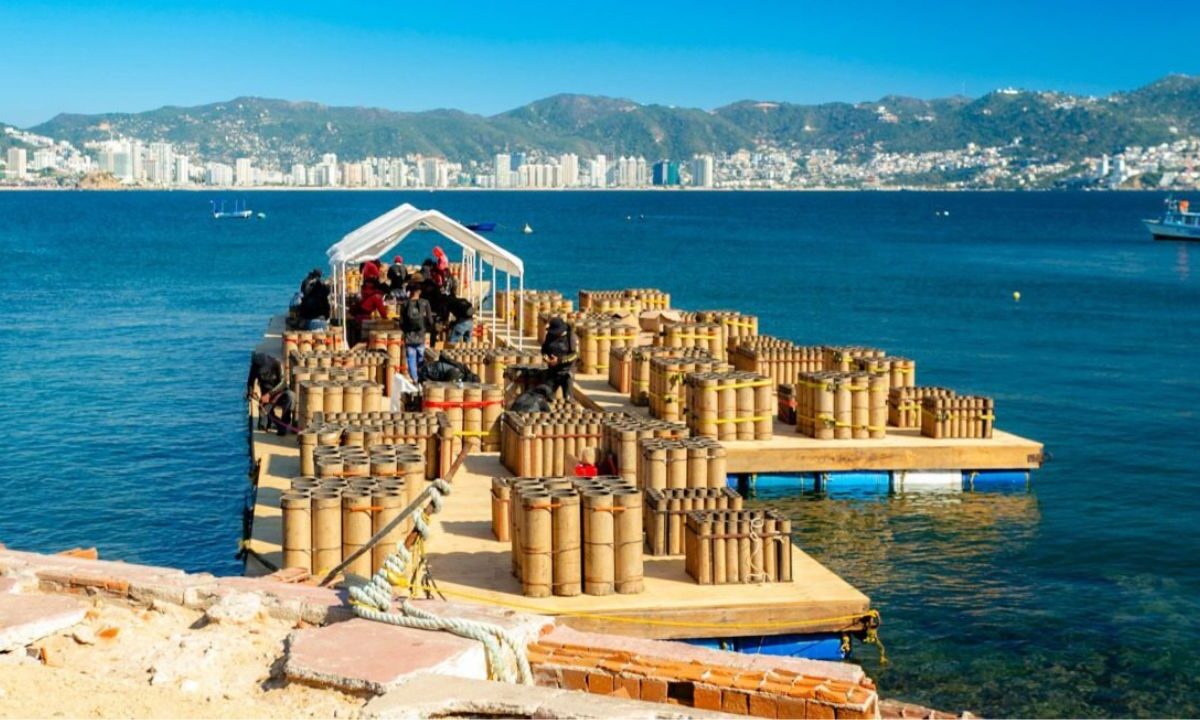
469	564
789	451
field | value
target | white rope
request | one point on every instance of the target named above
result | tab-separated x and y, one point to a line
373	601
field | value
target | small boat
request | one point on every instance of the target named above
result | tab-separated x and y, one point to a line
235	214
528	230
1176	223
482	227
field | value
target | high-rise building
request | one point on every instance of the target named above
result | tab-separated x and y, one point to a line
183	170
665	173
398	174
299	175
219	174
702	171
641	173
568	165
503	170
16	164
44	159
243	170
137	161
434	172
161	162
599	171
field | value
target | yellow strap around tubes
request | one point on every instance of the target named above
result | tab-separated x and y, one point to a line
756	418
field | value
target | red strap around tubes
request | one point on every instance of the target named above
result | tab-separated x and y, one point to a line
434	404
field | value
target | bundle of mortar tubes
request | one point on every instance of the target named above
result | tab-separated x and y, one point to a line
338	396
904	404
537	302
667	397
355	495
833	405
620	368
425	431
541	444
375	362
639	368
735	327
570	318
622	433
738	546
633	300
779	359
472	410
676	463
731	405
597	337
307	341
666	509
958	416
576	535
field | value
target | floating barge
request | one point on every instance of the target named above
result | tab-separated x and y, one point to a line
470	564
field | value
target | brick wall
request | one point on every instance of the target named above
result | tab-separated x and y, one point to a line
775	693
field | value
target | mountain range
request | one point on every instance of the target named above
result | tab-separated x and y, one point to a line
1034	124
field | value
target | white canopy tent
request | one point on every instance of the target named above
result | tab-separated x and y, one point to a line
378	237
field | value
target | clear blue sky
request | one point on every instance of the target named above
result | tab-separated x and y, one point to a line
487	57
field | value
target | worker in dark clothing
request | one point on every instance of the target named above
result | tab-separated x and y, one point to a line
560	351
313	276
439	368
314	307
535	399
267	384
463	313
416	320
397	274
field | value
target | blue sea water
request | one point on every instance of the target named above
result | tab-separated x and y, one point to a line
126	321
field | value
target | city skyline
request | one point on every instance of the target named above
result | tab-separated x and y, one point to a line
489	59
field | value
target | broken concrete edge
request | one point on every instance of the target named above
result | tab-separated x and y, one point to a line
423	695
292	602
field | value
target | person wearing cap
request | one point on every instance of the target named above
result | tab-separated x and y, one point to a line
560	351
397	274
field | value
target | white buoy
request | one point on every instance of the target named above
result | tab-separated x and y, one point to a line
528	230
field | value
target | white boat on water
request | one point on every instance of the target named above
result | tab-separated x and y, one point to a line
234	214
1176	223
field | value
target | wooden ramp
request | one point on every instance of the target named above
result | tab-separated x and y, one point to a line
789	451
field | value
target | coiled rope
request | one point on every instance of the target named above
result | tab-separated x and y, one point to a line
373	600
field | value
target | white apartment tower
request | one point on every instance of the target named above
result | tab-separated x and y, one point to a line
16	164
568	166
44	158
243	172
503	169
599	171
183	170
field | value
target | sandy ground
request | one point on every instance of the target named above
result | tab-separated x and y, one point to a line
162	662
